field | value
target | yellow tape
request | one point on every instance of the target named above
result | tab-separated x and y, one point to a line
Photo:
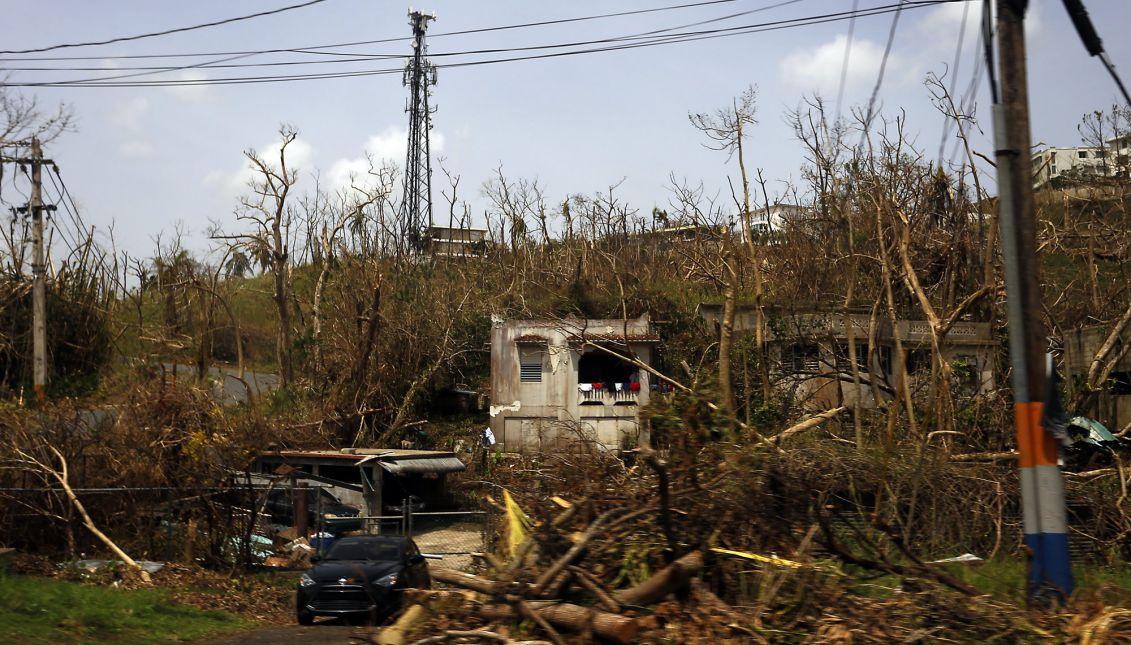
768	559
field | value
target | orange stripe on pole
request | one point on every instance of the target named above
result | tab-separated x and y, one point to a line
1035	447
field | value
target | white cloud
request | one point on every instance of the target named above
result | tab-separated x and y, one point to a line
387	146
819	69
300	157
190	93
935	36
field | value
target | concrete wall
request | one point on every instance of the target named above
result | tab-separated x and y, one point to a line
830	383
1080	346
549	415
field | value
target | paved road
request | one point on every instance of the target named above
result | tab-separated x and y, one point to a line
234	391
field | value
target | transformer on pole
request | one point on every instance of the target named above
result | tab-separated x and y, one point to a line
416	204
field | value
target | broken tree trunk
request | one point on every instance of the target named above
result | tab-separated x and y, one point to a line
574	618
61	476
670	579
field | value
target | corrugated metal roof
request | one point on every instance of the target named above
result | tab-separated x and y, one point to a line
419	465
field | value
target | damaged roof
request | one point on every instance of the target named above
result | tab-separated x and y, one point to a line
394	460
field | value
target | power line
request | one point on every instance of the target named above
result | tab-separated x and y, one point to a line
1093	43
71	240
166	32
988	46
954	77
362	57
847	54
662	40
883	68
479	30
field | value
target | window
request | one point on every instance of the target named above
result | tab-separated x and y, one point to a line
1082	154
842	363
530	365
805	358
1121	383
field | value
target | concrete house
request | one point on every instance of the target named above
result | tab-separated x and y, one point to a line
554	382
1113	406
808	353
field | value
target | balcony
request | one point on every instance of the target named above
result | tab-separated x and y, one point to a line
591	394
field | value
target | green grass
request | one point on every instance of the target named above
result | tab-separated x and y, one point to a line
1004	579
41	610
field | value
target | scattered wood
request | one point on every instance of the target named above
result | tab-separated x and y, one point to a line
668	580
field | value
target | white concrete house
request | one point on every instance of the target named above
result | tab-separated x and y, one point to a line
556	382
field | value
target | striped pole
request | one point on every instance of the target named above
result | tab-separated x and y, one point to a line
1042	487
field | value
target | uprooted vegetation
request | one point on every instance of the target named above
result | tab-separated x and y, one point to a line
740	537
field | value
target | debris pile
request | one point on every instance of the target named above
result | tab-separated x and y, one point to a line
709	540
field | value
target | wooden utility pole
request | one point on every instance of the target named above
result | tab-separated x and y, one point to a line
1042	486
38	271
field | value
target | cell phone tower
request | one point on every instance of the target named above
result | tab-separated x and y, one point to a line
419	77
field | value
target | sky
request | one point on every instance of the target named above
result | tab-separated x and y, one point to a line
147	161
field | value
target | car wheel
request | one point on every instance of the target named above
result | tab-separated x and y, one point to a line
304	617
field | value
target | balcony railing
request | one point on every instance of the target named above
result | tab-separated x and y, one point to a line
604	396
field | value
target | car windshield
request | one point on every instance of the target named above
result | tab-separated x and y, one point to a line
363	550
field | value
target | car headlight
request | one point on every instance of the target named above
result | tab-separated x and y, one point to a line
306	580
389	580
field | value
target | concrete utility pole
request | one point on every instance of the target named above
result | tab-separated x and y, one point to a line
1042	486
38	270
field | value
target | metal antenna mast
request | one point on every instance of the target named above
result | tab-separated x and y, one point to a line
419	76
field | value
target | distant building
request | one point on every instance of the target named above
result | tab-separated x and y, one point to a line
554	382
809	357
1054	163
450	241
1111	160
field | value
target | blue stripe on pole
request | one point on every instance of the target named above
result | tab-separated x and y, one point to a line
1049	566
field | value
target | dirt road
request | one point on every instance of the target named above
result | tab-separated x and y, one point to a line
316	634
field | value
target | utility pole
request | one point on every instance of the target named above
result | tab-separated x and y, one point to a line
1042	486
419	76
38	269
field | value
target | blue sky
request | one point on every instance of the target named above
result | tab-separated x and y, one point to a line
146	159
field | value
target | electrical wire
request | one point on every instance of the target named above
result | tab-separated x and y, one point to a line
869	114
988	47
954	78
478	30
76	218
166	32
966	103
847	54
362	57
654	41
68	238
1092	41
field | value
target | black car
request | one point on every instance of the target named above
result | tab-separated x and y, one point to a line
360	578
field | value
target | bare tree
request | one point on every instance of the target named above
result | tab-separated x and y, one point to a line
267	209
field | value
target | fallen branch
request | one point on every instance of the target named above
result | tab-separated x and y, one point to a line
575	618
612	627
61	476
805	424
668	580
